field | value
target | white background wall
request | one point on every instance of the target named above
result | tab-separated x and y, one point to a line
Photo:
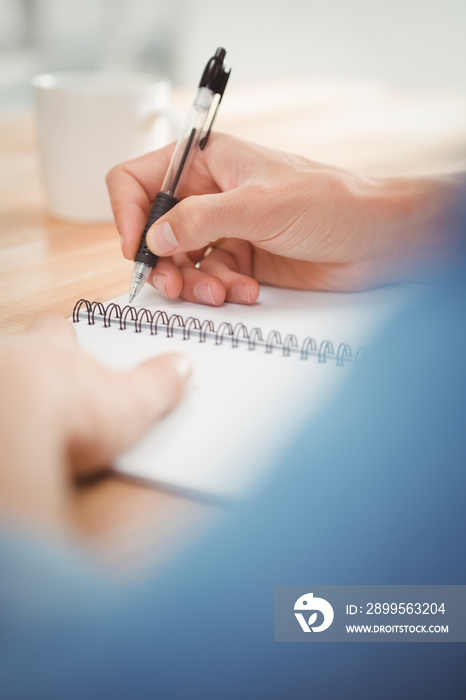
405	42
419	43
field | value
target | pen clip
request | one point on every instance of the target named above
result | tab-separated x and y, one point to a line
219	89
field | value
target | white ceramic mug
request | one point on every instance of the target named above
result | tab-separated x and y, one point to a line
88	122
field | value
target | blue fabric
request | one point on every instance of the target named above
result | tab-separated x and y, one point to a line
373	492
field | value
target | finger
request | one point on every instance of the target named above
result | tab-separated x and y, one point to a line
132	187
242	252
159	384
200	287
150	391
240	288
179	277
167	278
126	404
197	221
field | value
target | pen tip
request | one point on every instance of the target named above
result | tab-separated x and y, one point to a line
134	291
140	274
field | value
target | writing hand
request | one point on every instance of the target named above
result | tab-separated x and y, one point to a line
252	215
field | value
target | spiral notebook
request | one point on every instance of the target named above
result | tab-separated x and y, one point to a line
259	372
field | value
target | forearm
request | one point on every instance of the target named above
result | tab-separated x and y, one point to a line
422	224
33	474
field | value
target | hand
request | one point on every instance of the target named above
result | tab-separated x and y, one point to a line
261	216
63	415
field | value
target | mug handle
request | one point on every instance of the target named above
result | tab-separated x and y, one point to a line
173	116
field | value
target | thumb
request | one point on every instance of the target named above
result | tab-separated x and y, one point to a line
145	394
200	220
122	406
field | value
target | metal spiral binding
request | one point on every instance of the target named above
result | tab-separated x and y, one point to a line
159	321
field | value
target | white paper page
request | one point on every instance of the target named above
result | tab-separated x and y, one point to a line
241	406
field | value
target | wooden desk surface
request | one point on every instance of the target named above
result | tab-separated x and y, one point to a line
46	265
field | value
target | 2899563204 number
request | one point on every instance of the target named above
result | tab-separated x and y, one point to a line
405	608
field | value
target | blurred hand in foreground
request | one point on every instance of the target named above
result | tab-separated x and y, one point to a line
63	415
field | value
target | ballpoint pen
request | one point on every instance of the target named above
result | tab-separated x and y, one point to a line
212	85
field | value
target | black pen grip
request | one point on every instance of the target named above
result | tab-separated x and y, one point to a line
162	203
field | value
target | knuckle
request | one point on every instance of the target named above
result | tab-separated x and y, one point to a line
261	192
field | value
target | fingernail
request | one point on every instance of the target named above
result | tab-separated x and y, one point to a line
182	365
159	281
202	293
161	239
240	292
122	243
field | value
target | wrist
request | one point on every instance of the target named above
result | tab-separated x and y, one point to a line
414	225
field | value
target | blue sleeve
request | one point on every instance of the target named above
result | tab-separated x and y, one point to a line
370	493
